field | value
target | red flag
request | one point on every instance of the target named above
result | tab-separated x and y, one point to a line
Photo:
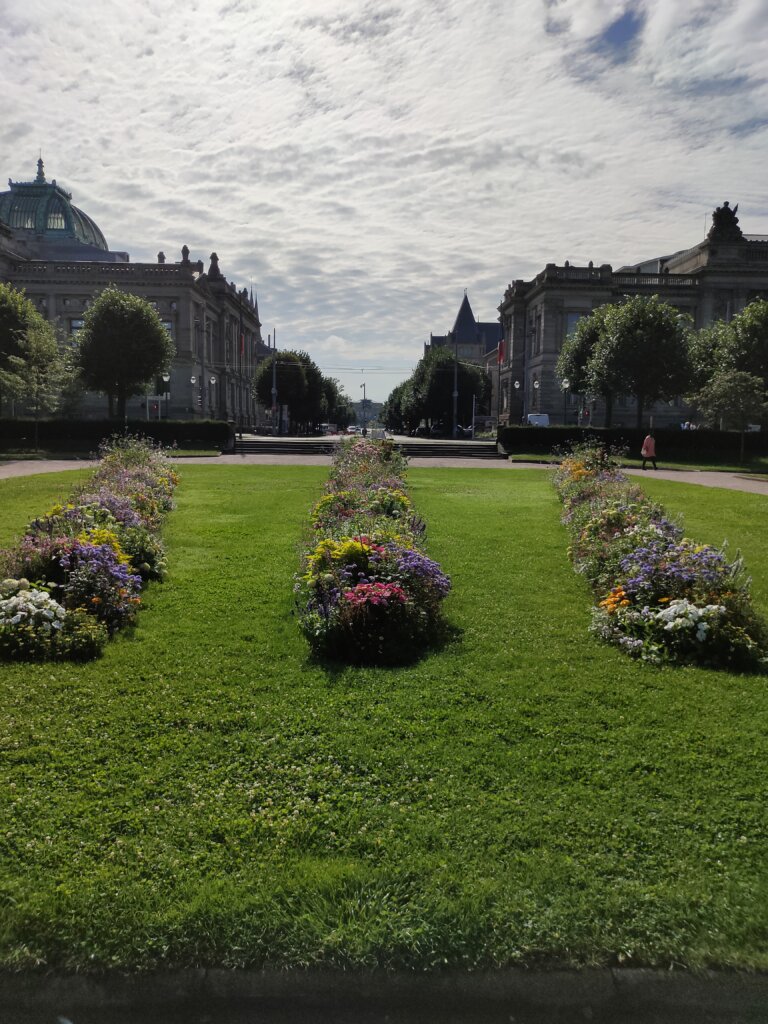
501	351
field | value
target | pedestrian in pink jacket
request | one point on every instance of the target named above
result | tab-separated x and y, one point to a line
648	451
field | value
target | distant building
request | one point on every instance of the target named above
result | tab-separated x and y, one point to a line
469	339
58	255
713	280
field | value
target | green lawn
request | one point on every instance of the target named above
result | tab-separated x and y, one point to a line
206	795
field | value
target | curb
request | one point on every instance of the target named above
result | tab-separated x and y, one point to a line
600	994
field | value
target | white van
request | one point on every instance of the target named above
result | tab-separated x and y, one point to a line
537	419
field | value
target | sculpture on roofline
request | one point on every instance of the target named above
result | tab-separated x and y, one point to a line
725	225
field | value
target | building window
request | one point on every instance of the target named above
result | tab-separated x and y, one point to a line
571	319
76	325
56	219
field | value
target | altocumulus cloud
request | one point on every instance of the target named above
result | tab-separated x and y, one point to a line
364	163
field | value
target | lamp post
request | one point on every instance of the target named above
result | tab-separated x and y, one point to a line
166	381
517	388
365	421
212	381
536	386
565	384
455	386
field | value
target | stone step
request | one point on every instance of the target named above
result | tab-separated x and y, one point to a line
328	445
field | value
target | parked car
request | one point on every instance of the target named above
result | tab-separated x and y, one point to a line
537	419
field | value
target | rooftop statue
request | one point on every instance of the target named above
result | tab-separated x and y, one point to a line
725	225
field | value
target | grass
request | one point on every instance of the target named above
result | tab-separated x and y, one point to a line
756	467
206	795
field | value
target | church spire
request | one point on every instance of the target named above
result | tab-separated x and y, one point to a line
40	172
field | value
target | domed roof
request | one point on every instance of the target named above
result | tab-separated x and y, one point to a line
45	209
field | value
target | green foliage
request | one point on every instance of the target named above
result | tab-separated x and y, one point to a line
25	340
578	348
311	398
122	346
428	393
735	397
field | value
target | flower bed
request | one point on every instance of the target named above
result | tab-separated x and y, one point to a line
660	596
75	576
367	593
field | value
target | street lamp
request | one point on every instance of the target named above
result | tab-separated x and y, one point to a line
166	381
365	421
212	381
517	388
565	384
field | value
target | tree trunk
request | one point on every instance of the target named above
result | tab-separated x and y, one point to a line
639	420
741	448
121	399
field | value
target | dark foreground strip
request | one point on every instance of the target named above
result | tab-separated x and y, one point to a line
290	997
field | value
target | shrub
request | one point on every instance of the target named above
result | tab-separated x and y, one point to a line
660	596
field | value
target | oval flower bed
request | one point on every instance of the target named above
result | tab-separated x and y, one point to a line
75	576
366	591
660	596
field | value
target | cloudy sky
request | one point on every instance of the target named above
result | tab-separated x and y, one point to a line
365	162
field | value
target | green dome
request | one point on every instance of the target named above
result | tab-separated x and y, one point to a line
45	209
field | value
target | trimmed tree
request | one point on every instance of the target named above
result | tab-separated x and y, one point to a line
123	345
18	318
734	399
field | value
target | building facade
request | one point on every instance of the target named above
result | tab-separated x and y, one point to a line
714	279
469	339
59	257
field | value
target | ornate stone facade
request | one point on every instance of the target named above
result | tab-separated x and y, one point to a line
713	280
59	257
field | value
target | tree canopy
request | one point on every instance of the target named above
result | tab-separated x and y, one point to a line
122	346
311	397
19	321
637	347
428	393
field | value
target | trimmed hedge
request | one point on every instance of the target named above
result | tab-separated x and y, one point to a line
670	442
86	435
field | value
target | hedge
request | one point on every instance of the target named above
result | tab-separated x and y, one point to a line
670	442
86	435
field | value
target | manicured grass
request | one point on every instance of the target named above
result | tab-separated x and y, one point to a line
205	794
756	467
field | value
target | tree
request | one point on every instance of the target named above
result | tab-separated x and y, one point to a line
290	380
337	406
428	393
638	347
745	342
122	346
18	317
576	353
733	398
41	372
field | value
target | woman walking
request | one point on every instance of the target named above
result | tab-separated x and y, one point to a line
648	451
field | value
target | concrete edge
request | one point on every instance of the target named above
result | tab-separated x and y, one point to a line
628	990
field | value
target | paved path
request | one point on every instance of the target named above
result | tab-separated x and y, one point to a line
731	481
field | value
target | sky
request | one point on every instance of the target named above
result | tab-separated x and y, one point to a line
363	163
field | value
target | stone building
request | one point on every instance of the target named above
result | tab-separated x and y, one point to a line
714	279
469	339
60	258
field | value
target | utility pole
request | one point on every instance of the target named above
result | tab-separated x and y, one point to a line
455	385
275	429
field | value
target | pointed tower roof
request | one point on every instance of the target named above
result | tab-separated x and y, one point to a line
465	327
